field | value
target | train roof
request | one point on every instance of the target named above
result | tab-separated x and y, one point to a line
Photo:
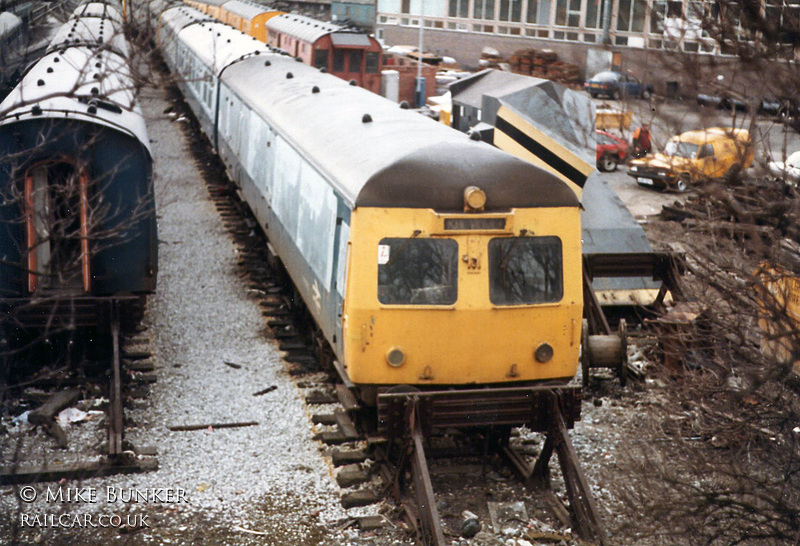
246	9
218	44
412	161
98	9
69	85
305	28
9	23
182	16
95	32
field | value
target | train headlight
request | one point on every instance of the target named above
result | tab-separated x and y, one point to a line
474	199
395	357
543	353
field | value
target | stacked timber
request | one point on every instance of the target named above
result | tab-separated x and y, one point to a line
544	63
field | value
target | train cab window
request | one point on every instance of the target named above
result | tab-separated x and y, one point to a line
338	60
354	63
525	270
321	58
372	58
417	271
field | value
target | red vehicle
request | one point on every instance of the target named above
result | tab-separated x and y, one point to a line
611	151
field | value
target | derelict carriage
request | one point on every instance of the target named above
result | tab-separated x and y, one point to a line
76	176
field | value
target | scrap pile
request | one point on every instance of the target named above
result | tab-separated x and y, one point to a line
767	211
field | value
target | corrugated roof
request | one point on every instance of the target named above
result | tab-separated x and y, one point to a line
305	28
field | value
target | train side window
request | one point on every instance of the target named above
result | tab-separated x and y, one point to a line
417	271
525	270
321	58
372	62
354	64
338	60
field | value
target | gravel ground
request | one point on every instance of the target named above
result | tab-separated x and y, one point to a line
270	478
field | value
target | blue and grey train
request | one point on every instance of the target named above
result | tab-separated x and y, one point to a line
77	210
426	258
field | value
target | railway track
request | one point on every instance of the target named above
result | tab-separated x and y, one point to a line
382	455
105	371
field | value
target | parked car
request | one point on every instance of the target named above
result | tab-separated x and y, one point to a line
787	171
617	85
611	151
695	156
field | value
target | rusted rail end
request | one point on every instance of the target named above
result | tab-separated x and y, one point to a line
115	420
584	517
426	502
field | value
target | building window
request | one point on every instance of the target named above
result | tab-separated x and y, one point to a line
568	13
355	61
459	8
595	10
511	10
405	6
338	60
321	58
483	9
372	62
631	15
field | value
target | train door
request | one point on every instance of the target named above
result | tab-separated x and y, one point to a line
341	251
57	226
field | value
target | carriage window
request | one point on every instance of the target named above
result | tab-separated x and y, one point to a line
524	270
321	58
372	62
354	64
417	271
338	60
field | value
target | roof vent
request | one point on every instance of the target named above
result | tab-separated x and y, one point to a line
267	63
353	82
36	110
298	59
40	83
97	65
96	76
49	69
92	109
323	70
474	135
56	60
229	40
95	91
366	118
289	75
315	89
404	105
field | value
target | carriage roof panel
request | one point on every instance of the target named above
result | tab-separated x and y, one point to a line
412	161
73	86
305	28
182	16
97	9
218	44
96	32
246	9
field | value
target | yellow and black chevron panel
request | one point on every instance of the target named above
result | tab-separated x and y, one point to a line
517	136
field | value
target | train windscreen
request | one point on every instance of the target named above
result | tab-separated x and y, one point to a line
525	270
417	271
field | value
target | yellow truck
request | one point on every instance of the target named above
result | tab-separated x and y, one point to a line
695	156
